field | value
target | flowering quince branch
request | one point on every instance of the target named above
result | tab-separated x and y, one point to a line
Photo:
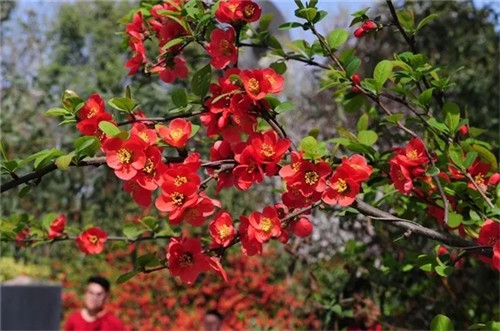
230	108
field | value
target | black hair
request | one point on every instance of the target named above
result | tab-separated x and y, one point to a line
216	313
101	281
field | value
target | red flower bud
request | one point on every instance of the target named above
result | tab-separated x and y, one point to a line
369	26
359	33
356	89
463	130
356	79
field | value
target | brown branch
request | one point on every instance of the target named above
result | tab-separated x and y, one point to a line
415	228
95	161
160	119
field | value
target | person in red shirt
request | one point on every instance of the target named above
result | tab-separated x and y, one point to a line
93	316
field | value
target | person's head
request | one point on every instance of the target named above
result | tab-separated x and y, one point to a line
96	293
213	320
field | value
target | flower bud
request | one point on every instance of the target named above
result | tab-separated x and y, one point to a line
369	26
356	79
359	33
463	130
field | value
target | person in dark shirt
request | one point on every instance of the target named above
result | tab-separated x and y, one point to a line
93	316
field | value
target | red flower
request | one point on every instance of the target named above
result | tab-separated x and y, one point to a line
136	30
138	60
233	11
265	225
142	196
489	233
148	176
185	259
258	82
221	48
301	227
359	33
222	229
401	178
310	177
342	189
21	236
171	69
126	157
269	149
94	106
197	213
57	227
413	155
357	167
249	244
248	11
249	170
92	240
142	131
222	151
479	170
177	133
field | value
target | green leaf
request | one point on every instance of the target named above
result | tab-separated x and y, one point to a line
433	171
469	159
173	42
132	231
289	25
454	219
441	127
25	190
201	81
284	106
443	270
306	13
265	21
194	130
451	116
486	156
382	71
367	137
122	103
425	96
179	97
337	37
425	262
150	222
63	162
279	67
363	122
426	20
86	146
109	128
407	20
308	144
394	118
126	276
57	112
441	323
352	66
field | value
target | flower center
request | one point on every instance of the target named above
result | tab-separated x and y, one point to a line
148	166
225	47
93	239
191	214
492	241
295	166
479	179
412	154
266	224
267	150
186	260
176	134
143	136
248	11
179	180
92	112
311	177
253	86
341	185
177	198
124	155
224	231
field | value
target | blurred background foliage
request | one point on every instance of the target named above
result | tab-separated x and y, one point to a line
349	273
